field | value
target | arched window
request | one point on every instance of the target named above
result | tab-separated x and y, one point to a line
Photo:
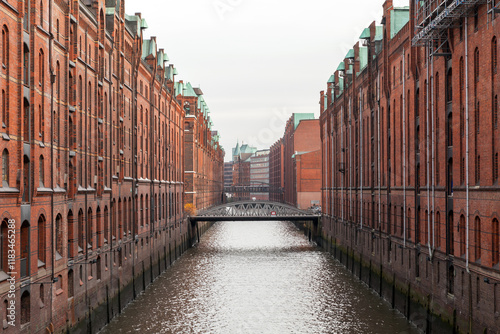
495	246
25	249
59	236
42	294
26	65
90	236
41	13
462	229
71	283
99	227
106	225
476	65
4	110
5	47
80	231
41	173
4	243
477	234
41	69
5	168
25	308
41	241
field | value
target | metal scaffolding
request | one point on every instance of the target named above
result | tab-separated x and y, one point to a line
433	18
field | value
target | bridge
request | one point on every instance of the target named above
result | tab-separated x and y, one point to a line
255	210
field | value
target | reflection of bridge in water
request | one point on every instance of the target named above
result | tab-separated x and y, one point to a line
255	210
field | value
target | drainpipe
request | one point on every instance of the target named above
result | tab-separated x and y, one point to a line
428	154
350	160
51	40
467	141
342	160
433	166
378	152
361	160
404	148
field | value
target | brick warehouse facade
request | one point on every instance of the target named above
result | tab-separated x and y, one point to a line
204	157
410	164
92	162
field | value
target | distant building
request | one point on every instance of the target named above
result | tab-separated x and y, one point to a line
241	168
296	163
259	174
228	174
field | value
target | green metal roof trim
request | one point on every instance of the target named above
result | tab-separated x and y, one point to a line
148	48
350	54
363	58
331	79
341	86
144	24
399	18
110	11
341	67
298	117
379	33
189	91
365	34
134	21
325	98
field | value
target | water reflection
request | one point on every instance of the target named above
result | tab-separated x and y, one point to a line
257	277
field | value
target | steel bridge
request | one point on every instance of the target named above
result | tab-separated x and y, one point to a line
255	210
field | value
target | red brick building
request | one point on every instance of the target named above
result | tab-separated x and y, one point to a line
92	144
295	163
203	155
410	158
276	181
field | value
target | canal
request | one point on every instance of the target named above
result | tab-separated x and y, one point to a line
257	277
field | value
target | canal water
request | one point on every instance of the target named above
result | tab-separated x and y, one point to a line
257	277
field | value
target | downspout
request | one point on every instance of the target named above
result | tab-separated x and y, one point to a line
428	154
342	161
378	153
361	160
433	167
51	40
404	148
350	159
467	141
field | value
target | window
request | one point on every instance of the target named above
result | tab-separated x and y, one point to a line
449	86
495	112
57	29
25	308
476	18
41	172
476	65
26	67
80	231
477	234
3	246
4	110
41	68
494	242
5	168
71	283
41	241
5	47
495	167
59	235
41	14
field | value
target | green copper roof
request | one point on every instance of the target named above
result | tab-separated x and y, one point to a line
332	79
300	117
379	33
363	57
341	67
144	24
365	34
399	18
350	54
148	48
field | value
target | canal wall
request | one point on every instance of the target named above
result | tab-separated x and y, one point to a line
117	293
408	278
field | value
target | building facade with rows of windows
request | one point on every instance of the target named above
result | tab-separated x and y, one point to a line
92	152
410	142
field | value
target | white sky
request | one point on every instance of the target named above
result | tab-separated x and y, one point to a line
257	61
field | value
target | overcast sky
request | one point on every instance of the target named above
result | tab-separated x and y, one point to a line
256	61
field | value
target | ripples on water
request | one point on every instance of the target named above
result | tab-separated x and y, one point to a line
257	277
